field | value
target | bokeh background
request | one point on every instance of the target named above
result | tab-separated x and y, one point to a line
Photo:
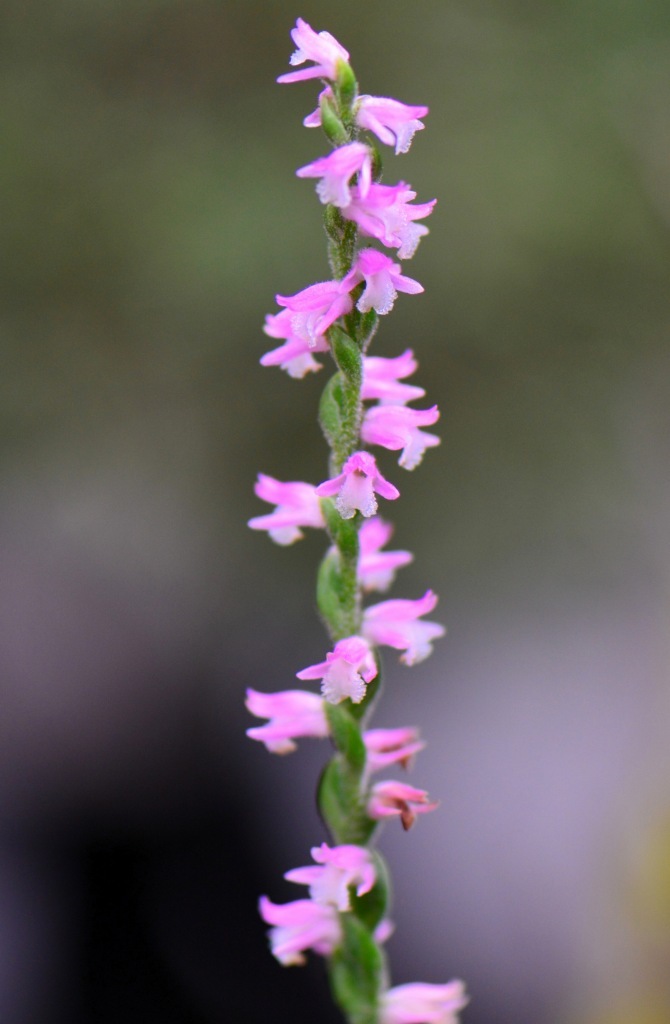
150	212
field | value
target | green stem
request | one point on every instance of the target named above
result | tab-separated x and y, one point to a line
357	968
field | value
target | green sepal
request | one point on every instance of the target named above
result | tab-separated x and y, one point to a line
347	538
340	413
367	328
337	596
347	355
333	222
333	598
340	407
349	235
376	159
356	972
346	734
372	907
333	410
345	86
341	240
341	805
331	123
342	532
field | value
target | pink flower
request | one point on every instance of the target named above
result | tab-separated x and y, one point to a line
383	281
376	568
421	1003
388	799
296	355
391	746
345	672
336	171
292	713
298	926
339	867
354	489
297	505
320	47
395	624
383	931
397	426
393	123
315	308
385	214
382	376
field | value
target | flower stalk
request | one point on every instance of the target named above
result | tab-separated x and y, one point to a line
345	918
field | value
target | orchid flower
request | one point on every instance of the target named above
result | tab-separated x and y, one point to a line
390	799
382	377
297	505
319	47
377	568
355	487
397	624
391	746
420	1003
315	309
291	714
345	672
385	213
383	281
336	171
339	869
398	427
299	926
393	123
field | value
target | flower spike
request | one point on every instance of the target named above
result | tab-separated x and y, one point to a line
366	402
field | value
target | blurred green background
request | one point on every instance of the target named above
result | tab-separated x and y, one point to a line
150	212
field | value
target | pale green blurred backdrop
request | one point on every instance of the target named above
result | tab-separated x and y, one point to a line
150	212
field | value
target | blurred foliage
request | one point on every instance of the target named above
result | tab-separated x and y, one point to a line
150	212
644	996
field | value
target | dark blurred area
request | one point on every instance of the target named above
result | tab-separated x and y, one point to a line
150	213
